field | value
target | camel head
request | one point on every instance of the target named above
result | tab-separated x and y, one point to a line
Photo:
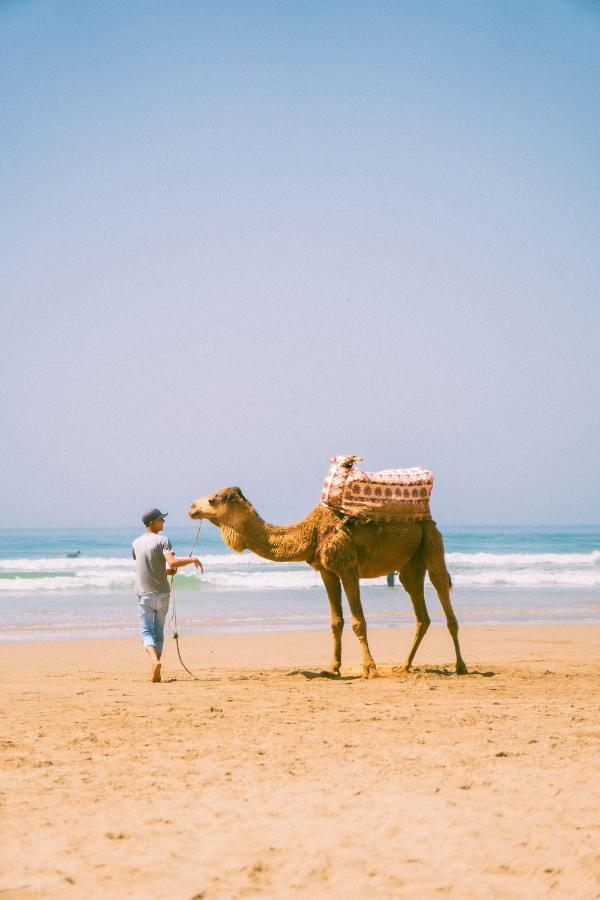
221	508
227	509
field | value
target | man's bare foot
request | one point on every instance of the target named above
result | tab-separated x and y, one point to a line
156	672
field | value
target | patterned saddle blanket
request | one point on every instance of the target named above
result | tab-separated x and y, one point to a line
391	495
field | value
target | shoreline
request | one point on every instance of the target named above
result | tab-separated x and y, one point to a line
197	632
265	779
278	649
34	618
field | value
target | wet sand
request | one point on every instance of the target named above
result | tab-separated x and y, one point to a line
264	779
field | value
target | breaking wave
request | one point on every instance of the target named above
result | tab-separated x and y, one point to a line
524	559
246	572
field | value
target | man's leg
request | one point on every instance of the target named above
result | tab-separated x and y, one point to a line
160	615
147	615
155	666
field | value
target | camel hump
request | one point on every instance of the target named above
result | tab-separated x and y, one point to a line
393	494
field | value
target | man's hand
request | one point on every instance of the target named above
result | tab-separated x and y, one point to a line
175	562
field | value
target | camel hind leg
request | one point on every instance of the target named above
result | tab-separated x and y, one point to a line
412	579
435	561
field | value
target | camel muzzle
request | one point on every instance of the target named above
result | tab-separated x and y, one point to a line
195	511
201	509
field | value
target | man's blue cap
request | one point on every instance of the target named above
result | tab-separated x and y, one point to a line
153	514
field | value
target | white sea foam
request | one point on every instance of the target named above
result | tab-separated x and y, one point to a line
67	583
63	564
524	559
237	560
271	580
307	579
528	578
247	572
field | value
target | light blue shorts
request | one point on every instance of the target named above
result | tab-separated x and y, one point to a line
152	611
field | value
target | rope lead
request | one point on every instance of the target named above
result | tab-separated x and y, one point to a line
173	619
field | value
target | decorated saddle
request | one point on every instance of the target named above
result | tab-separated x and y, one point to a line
391	495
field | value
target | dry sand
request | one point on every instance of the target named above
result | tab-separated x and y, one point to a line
265	780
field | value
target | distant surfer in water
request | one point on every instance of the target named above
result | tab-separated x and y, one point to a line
155	560
74	555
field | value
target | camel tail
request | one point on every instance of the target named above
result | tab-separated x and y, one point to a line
435	562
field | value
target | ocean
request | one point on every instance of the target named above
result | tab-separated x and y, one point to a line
506	575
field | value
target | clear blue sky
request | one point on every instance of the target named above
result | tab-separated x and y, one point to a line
240	237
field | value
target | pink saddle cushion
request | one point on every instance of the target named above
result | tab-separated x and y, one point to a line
391	494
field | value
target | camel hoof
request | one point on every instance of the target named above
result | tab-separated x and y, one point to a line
461	669
401	670
334	670
371	671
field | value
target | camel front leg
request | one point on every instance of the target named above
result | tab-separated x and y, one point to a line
334	593
359	624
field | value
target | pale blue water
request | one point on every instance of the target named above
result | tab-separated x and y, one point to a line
501	574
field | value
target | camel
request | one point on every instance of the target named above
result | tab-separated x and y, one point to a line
343	550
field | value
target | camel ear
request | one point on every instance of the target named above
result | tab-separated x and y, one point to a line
232	495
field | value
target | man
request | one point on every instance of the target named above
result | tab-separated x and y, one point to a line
155	560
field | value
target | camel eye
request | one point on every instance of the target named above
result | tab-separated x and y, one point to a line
212	501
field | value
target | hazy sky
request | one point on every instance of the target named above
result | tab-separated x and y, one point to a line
240	237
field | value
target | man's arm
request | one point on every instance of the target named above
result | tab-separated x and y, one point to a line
177	562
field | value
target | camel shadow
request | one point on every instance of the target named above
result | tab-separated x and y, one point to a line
446	673
443	672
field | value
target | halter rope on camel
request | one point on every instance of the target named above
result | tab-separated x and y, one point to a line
173	619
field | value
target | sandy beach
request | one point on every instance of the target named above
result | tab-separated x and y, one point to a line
265	779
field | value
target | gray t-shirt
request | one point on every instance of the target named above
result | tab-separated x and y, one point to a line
151	571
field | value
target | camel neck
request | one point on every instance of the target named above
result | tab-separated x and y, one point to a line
281	543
